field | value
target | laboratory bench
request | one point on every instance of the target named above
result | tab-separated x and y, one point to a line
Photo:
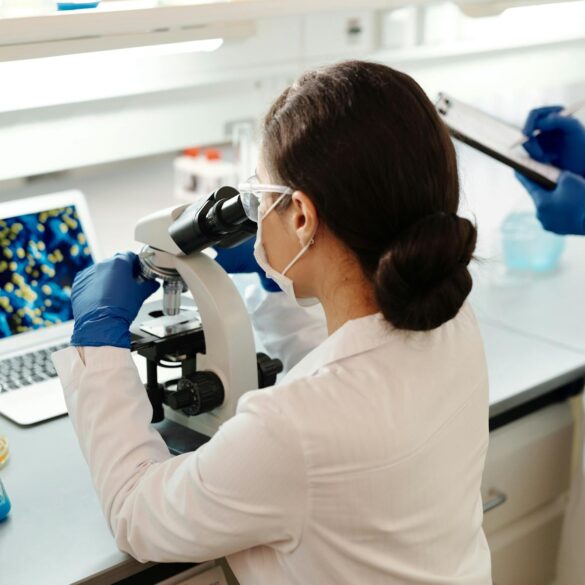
549	307
56	533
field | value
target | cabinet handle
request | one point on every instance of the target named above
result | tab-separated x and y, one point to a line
497	499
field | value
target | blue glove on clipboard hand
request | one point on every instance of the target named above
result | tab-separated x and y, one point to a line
562	209
240	260
106	298
560	141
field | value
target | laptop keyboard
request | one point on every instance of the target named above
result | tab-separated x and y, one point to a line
29	368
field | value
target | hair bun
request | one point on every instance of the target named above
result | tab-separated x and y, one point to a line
422	279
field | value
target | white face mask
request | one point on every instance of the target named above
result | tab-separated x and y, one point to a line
283	281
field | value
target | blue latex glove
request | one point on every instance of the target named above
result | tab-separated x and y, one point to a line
241	260
106	298
561	141
561	210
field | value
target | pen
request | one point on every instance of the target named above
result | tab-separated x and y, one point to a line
568	111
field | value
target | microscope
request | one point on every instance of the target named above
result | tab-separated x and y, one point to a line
209	340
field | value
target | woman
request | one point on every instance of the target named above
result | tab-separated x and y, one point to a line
364	464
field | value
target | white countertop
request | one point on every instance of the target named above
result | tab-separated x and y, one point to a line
55	533
550	307
522	367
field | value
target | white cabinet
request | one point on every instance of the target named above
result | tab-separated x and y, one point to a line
527	478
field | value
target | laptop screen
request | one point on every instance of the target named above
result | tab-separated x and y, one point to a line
40	254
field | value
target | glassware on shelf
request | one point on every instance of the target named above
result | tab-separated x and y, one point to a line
245	148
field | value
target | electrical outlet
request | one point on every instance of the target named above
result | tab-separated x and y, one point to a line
354	31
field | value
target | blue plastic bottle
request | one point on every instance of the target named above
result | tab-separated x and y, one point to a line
4	502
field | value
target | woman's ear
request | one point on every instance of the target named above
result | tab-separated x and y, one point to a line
304	218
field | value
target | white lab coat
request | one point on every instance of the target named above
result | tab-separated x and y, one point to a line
363	466
281	328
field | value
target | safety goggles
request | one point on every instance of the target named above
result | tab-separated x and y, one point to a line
252	193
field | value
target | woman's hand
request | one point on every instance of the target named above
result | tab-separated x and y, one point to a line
106	298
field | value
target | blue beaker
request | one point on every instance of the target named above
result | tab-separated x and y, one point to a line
527	246
4	502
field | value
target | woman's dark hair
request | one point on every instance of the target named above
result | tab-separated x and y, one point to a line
364	142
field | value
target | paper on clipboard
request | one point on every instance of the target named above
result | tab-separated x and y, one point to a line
494	138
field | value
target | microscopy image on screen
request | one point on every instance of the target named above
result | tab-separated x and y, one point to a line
40	254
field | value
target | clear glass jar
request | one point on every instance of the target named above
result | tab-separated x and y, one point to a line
527	246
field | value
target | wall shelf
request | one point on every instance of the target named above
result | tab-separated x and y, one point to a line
131	23
116	25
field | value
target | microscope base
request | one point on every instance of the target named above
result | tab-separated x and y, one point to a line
179	438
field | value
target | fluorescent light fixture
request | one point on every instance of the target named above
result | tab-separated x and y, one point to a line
162	50
104	74
107	37
200	46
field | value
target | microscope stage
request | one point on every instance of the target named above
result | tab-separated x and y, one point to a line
166	326
152	327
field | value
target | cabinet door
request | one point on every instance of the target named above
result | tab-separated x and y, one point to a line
525	553
527	465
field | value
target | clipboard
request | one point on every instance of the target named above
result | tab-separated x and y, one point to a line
494	138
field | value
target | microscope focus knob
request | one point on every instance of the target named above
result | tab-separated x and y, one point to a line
180	399
197	393
268	369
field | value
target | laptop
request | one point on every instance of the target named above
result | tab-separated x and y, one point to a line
44	242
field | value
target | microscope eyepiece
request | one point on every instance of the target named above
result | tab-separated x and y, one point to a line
216	220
